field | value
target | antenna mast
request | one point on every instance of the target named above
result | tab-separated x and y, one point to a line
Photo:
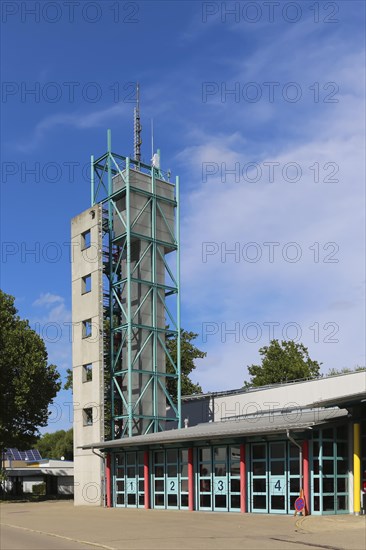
137	126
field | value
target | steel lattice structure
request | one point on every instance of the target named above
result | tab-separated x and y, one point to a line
141	291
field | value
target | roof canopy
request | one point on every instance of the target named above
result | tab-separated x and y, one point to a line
252	425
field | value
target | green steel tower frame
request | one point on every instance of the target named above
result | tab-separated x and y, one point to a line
141	292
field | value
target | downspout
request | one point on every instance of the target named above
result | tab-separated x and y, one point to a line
104	473
300	458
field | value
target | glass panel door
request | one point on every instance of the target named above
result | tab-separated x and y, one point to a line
204	478
330	469
277	478
220	479
131	482
119	484
159	479
259	501
171	482
234	479
183	475
293	483
129	479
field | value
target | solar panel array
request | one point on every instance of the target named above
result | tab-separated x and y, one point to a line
31	455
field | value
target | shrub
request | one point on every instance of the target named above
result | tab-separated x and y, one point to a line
39	489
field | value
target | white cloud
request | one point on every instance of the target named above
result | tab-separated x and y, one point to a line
48	299
81	121
322	297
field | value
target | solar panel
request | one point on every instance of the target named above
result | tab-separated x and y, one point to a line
14	454
37	454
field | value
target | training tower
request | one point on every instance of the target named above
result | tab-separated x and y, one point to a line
126	306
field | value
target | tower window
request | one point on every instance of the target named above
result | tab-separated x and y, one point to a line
87	328
87	372
86	284
85	239
88	416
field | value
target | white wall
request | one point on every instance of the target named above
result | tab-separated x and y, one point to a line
87	466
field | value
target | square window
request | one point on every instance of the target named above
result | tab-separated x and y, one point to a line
85	284
88	416
87	328
85	239
159	457
259	451
87	372
294	485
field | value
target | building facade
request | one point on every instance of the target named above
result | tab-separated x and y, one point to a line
240	451
256	462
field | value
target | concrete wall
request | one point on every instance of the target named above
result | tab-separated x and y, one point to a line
88	469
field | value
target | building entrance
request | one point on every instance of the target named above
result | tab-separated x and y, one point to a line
274	477
218	478
129	479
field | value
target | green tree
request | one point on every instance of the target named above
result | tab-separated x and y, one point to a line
189	352
345	370
56	445
282	362
27	383
68	382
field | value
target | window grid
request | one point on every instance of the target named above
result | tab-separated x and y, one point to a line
329	480
129	479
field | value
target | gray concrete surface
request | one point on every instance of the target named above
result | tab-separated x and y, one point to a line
117	528
14	538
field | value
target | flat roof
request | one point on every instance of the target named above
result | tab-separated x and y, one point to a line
236	391
251	425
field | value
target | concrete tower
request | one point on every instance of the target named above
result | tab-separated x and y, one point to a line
125	286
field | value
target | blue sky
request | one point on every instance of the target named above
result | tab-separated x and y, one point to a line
291	132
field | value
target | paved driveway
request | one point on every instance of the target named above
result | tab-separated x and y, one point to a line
60	525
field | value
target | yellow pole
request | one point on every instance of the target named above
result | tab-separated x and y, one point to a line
356	468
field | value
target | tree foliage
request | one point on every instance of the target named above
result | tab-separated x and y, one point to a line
56	444
27	383
189	352
282	362
345	370
68	382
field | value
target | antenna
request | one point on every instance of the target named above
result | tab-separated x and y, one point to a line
152	138
137	126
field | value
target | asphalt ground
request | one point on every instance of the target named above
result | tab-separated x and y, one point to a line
61	526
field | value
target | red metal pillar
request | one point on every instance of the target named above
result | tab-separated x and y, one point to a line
108	487
243	480
190	480
146	480
306	474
